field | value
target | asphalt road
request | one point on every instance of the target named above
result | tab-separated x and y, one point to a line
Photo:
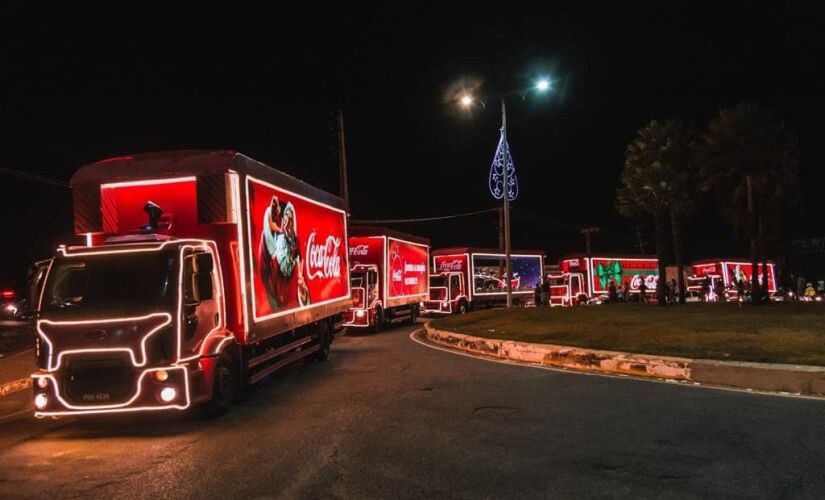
386	417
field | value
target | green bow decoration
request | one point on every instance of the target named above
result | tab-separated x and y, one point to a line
607	271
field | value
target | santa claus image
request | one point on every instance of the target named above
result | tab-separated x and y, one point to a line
279	257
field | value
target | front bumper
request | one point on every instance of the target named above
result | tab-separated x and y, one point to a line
357	318
437	307
60	393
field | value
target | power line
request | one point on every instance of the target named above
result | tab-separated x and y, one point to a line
422	219
33	177
543	219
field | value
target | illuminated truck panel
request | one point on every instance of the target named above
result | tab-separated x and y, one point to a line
585	278
730	272
195	264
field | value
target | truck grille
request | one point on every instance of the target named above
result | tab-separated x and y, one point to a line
99	381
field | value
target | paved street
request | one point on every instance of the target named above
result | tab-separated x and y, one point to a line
386	417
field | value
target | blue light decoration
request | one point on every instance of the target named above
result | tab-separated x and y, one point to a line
496	181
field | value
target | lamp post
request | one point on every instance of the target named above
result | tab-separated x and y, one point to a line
509	185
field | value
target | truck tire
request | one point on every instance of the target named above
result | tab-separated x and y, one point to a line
463	308
378	324
224	386
324	343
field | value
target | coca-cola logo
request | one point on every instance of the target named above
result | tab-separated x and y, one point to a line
359	250
322	259
454	265
397	275
650	281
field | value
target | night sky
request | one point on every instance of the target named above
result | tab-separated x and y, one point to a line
75	91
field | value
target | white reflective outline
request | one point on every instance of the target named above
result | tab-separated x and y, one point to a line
120	407
234	181
88	239
149	182
131	352
255	317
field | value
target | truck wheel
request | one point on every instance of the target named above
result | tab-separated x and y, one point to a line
378	324
462	308
224	386
324	343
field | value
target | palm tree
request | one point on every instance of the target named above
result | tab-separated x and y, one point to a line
751	162
657	182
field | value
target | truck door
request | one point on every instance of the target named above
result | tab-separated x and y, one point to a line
201	307
455	286
372	288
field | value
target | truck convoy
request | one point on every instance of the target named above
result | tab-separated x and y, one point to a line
206	271
203	272
587	278
388	275
469	278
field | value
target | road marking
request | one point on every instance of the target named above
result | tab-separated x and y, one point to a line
20	384
695	385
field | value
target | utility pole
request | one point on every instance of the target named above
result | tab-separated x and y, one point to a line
342	160
505	183
587	232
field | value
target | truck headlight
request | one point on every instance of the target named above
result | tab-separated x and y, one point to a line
40	401
360	313
168	394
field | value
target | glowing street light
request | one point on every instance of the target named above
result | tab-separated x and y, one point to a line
503	171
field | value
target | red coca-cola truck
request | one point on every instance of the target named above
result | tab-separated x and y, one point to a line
585	279
388	276
467	278
203	272
728	271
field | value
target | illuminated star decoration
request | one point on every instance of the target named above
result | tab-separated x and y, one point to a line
497	172
606	272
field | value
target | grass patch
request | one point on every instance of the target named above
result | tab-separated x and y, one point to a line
776	333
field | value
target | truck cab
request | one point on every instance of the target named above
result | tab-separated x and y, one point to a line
122	325
448	294
365	298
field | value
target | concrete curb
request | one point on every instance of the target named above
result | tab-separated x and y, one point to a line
790	379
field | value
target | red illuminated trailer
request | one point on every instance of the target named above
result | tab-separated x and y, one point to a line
204	271
585	278
388	275
730	272
453	291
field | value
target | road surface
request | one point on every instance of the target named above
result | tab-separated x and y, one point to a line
386	417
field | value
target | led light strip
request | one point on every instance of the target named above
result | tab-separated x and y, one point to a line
234	181
211	248
151	182
131	352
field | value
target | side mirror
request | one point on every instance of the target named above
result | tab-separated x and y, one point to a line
204	263
202	286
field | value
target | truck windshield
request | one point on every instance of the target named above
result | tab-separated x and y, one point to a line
438	281
103	285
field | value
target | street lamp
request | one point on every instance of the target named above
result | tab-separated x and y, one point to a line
509	183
